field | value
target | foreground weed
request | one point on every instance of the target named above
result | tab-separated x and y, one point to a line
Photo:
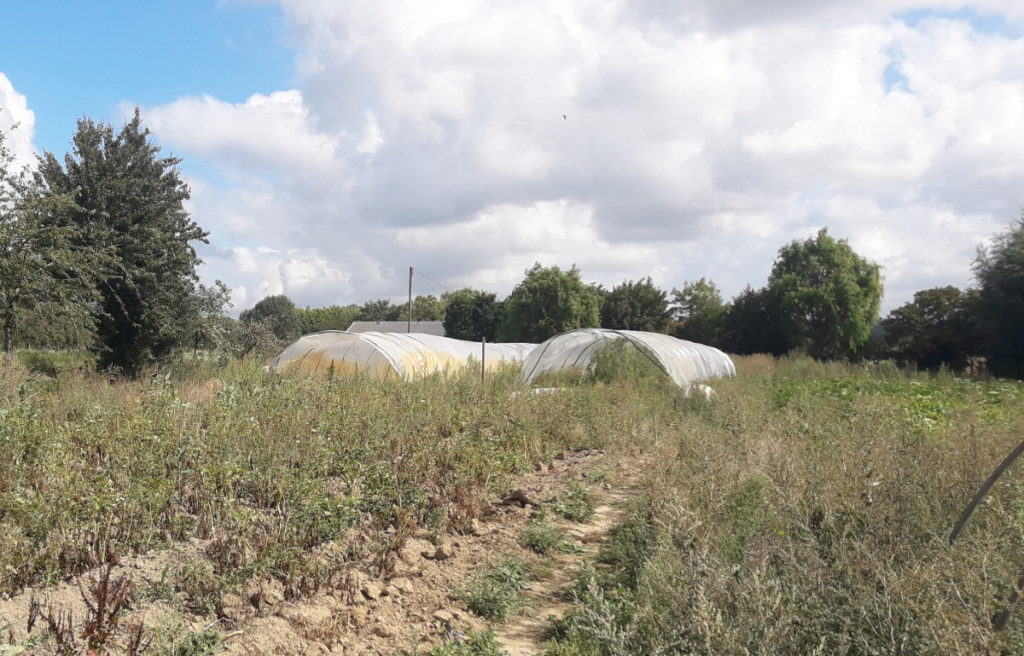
105	597
497	593
575	503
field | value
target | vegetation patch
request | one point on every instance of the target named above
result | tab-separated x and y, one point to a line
575	504
540	537
497	592
476	643
820	496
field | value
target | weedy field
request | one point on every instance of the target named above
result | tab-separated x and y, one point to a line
806	509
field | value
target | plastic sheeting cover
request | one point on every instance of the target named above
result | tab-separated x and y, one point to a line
388	355
684	362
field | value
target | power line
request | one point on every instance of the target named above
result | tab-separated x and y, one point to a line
428	278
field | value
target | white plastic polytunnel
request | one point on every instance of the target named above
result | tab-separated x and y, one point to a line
385	356
682	361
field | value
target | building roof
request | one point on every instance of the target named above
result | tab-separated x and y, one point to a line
427	327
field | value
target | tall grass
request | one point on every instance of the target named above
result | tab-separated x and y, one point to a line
807	511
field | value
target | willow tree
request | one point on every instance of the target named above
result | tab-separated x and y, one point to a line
829	294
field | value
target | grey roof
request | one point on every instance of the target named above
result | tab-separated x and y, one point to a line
427	327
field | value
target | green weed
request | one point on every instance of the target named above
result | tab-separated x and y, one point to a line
497	593
540	537
476	643
172	638
575	503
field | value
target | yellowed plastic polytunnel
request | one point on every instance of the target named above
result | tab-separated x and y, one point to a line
682	361
385	356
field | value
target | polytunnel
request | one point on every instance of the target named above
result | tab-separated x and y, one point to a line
682	361
384	356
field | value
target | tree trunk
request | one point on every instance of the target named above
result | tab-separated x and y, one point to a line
8	327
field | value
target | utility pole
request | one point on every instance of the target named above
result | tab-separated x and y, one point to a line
408	328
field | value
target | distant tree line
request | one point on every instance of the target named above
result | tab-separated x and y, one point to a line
821	298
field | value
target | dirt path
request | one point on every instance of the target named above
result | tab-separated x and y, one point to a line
413	609
523	635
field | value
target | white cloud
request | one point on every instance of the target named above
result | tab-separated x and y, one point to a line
17	122
697	139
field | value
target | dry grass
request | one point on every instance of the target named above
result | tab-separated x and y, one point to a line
807	511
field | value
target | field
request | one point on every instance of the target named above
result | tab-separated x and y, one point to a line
806	509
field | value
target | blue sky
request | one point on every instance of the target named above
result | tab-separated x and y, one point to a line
331	145
91	58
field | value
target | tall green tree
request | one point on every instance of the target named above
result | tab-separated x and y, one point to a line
41	269
472	315
999	270
275	312
756	323
549	301
939	327
699	312
131	200
635	305
830	294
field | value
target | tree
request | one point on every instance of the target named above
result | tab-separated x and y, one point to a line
699	312
40	268
635	306
130	201
275	312
334	317
939	327
424	308
830	295
472	315
546	302
213	329
756	323
379	310
999	270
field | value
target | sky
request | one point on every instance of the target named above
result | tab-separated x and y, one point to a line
331	145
